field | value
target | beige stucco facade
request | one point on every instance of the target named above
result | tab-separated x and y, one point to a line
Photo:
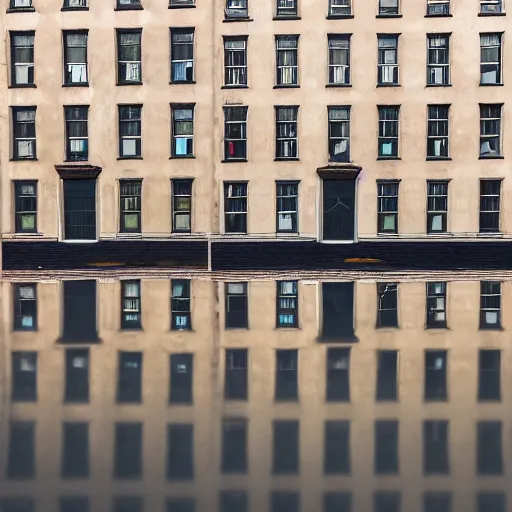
208	342
464	169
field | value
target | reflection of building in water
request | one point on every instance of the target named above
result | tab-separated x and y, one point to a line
337	396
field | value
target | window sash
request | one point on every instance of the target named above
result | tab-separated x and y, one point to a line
339	134
22	58
339	60
235	133
340	7
235	207
490	304
24	131
182	130
387	207
438	59
130	130
287	304
235	62
436	304
236	9
491	6
182	55
387	67
180	304
286	132
131	304
25	307
287	7
388	7
438	7
75	57
25	206
437	206
287	197
129	57
181	206
388	131
130	204
287	60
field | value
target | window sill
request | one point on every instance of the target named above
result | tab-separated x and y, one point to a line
67	9
236	328
286	18
438	15
66	341
490	85
383	234
388	85
291	86
490	328
437	158
490	14
120	84
31	234
233	161
23	86
389	16
129	330
338	339
388	158
496	157
286	159
339	17
129	158
234	20
193	6
182	82
181	157
285	328
23	159
83	84
438	85
129	8
436	327
287	234
20	9
235	87
171	330
332	86
340	162
19	329
383	328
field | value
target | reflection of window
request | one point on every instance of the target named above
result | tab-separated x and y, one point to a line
180	305
386	447
339	134
490	59
182	378
287	375
438	502
180	456
437	206
281	501
22	58
489	448
131	315
25	307
286	459
128	450
77	375
435	375
21	452
287	72
436	304
287	304
75	58
388	305
74	504
236	305
490	131
234	445
129	51
182	130
437	131
337	310
24	377
236	9
334	501
235	385
181	206
438	7
490	191
438	59
80	311
388	131
287	195
75	450
435	447
387	197
182	55
338	375
131	205
128	504
75	4
387	67
129	382
235	61
233	501
287	139
340	7
235	207
339	59
490	305
130	131
387	375
489	375
24	133
235	133
336	447
77	135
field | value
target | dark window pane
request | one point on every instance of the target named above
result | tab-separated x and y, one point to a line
74	504
80	209
129	384
233	501
234	446
287	375
235	387
492	502
337	502
21	454
180	451
283	501
181	505
387	502
24	377
489	375
435	447
182	378
17	504
286	447
80	311
387	375
338	374
75	450
435	375
128	450
337	447
338	310
128	504
489	448
437	502
386	446
77	375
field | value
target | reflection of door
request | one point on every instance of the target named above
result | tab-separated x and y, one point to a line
338	209
80	209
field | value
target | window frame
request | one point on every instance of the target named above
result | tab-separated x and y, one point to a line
496	64
438	51
344	111
286	390
289	10
339	4
21	8
391	14
490	212
123	64
242	323
486	292
436	395
294	68
232	111
500	11
30	65
183	31
130	110
176	136
16	125
67	72
68	112
392	67
236	360
386	112
382	289
382	209
24	376
128	324
343	47
236	12
432	295
438	123
486	109
82	5
230	70
282	185
175	210
127	191
493	379
434	3
433	199
131	5
184	299
286	126
293	297
236	199
19	213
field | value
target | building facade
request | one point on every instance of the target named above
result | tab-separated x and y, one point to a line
328	121
173	394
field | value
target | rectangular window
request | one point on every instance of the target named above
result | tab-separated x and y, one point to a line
490	305
340	8
287	304
386	446
130	204
436	305
235	61
236	306
435	447
25	206
20	4
75	4
75	58
387	69
287	386
438	59
386	501
181	505
436	362
235	133
387	376
339	59
236	9
180	305
489	375
287	206
181	206
24	377
287	69
387	314
25	307
339	134
490	59
284	501
491	6
130	131
490	191
338	375
129	4
131	305
286	448
236	376
437	131
128	504
287	138
437	502
79	209
180	451
337	310
387	197
129	381
490	131
233	501
77	376
24	133
181	3
388	131
129	61
128	451
234	445
438	7
235	207
336	447
437	206
80	311
77	133
182	55
22	58
74	504
286	8
337	501
388	7
75	450
495	501
21	452
182	130
489	451
182	379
